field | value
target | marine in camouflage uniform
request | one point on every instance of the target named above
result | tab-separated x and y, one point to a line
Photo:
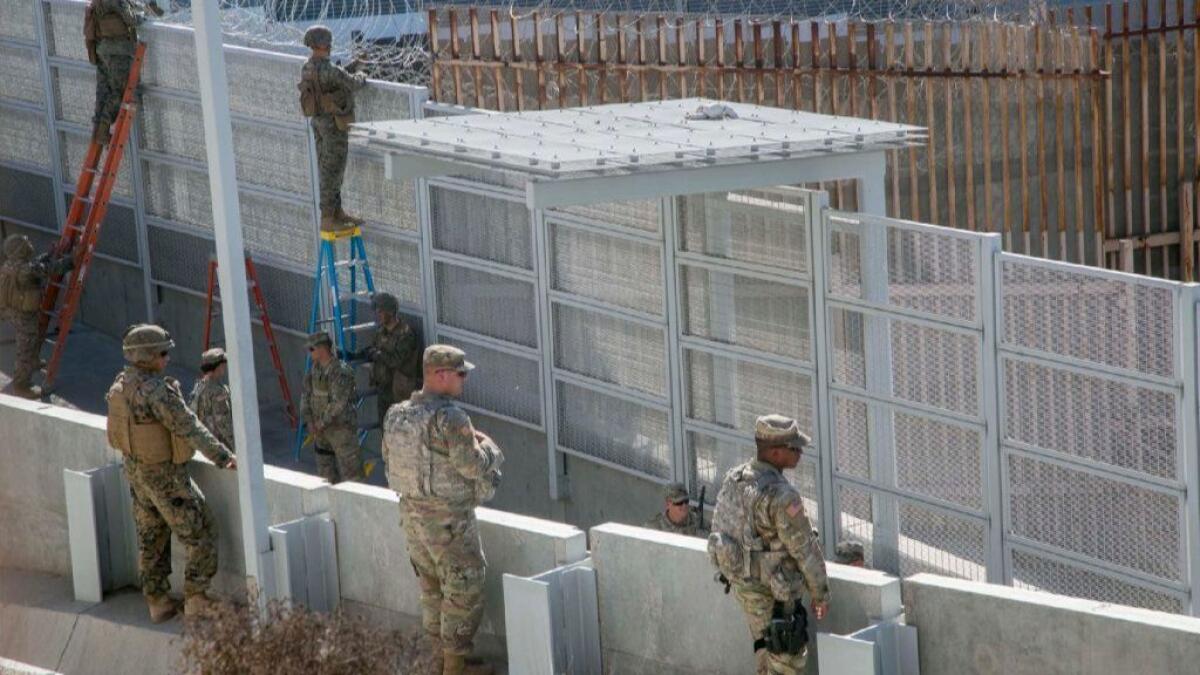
677	504
327	97
764	547
210	397
22	284
151	425
443	468
395	354
327	409
110	35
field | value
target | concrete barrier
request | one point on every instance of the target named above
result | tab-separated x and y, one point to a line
373	555
971	627
661	612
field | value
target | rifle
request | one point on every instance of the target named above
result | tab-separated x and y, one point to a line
700	509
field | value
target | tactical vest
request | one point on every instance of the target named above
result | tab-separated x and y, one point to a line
150	443
100	24
415	468
320	393
735	545
316	101
14	295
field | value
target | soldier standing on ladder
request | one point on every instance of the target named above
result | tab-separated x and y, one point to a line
327	96
110	34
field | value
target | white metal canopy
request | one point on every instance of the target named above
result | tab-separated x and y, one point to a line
607	153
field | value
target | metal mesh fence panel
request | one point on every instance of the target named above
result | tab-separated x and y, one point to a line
395	266
1095	418
272	157
278	228
262	87
1040	573
933	541
24	139
851	447
1107	519
75	95
761	227
73	147
746	311
732	393
65	29
616	270
610	349
172	126
18	21
377	103
28	198
640	214
481	227
119	236
177	194
288	296
179	259
939	459
1109	320
855	519
368	194
614	430
174	62
22	79
505	383
486	303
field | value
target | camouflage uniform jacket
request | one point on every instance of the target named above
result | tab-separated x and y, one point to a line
131	13
790	558
29	278
433	457
159	399
691	528
210	400
395	349
329	396
333	81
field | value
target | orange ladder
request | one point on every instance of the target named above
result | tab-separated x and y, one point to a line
84	219
268	330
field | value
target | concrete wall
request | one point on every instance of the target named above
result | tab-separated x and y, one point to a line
970	627
661	612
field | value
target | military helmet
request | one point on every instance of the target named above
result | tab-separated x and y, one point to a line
144	341
318	36
18	247
212	358
385	302
677	493
319	339
439	357
779	430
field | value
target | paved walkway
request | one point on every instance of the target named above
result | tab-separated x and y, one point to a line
93	360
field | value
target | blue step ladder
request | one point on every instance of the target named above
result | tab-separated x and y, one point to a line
336	310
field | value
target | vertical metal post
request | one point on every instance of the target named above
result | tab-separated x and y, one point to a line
669	221
1188	305
872	199
139	214
559	486
989	313
815	208
40	11
231	274
423	199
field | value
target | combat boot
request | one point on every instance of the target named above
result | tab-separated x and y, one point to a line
329	222
27	391
198	604
162	607
345	219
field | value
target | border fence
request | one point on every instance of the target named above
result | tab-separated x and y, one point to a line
978	413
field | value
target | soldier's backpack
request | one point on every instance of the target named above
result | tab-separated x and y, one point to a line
310	91
734	540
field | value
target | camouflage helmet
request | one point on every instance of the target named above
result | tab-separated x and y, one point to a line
212	358
18	247
677	493
318	36
385	302
144	341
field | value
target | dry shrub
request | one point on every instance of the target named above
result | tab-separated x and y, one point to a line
291	639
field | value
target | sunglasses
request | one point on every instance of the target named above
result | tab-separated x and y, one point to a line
164	353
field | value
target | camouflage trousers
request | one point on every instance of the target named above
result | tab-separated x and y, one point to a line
27	348
333	146
166	501
758	604
397	390
444	547
112	74
338	457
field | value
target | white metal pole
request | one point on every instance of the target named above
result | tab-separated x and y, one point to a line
235	314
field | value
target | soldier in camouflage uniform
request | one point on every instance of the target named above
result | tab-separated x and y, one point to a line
442	469
764	547
22	284
151	425
327	409
110	35
327	96
210	396
395	355
677	516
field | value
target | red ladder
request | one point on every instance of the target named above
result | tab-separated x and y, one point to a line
261	303
79	235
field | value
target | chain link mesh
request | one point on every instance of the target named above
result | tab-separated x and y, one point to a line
610	349
481	227
64	30
179	259
639	214
74	95
73	147
852	449
171	126
731	308
177	194
28	198
935	367
22	79
732	393
614	430
395	266
18	19
1056	576
615	270
368	194
752	226
23	138
933	541
485	303
939	459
